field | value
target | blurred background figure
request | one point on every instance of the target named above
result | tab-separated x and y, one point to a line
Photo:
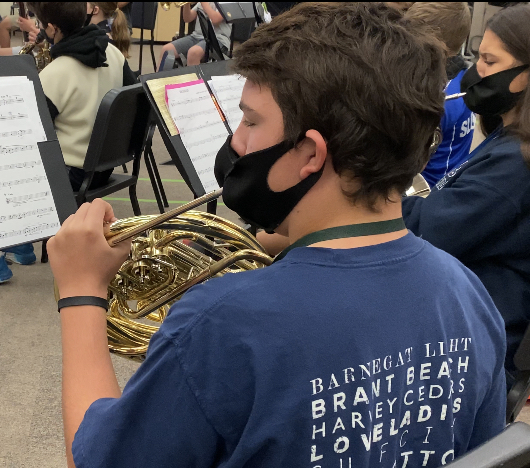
193	46
451	23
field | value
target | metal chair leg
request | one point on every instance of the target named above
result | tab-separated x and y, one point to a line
152	50
44	253
124	167
134	201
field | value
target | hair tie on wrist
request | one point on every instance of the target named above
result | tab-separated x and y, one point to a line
82	301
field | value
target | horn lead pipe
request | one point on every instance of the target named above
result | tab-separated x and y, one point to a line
115	238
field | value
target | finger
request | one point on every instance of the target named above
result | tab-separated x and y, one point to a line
100	211
82	211
109	212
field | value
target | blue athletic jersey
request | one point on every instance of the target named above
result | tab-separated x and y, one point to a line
458	124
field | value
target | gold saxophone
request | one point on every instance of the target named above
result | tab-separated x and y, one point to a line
165	261
42	56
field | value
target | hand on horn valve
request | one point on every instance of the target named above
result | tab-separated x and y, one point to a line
82	261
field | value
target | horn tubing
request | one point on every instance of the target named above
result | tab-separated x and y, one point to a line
115	238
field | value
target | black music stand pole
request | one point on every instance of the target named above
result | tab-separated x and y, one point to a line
141	38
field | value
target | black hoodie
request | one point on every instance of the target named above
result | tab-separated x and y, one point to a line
88	45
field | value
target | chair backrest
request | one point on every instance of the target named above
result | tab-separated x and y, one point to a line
510	449
520	387
522	355
213	48
119	130
143	15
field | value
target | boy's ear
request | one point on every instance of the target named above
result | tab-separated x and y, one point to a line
320	152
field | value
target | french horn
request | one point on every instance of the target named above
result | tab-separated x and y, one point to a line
165	261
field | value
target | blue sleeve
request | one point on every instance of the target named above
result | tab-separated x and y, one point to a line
156	422
461	216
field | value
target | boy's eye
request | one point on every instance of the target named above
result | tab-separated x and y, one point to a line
246	123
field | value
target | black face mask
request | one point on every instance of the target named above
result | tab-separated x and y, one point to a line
48	38
490	95
88	18
246	190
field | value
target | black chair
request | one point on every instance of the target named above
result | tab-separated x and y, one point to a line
520	389
118	137
510	449
143	16
213	48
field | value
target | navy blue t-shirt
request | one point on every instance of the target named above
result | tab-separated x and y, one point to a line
380	356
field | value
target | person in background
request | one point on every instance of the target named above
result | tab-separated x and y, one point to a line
14	23
193	47
451	22
84	69
480	211
126	8
110	18
363	345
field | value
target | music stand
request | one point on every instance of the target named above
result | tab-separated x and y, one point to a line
174	144
50	150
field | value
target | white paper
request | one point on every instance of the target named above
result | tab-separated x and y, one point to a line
200	126
27	208
227	91
18	107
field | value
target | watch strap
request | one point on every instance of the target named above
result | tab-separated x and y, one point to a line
82	301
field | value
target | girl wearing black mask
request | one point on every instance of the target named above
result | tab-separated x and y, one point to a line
480	212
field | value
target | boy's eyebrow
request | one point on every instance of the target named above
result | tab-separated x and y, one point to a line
245	108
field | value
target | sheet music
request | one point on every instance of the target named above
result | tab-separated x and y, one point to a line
158	91
18	107
27	208
200	126
227	91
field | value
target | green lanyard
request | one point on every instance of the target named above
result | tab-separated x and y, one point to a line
341	232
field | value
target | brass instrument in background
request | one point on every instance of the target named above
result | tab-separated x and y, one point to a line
167	5
165	261
42	56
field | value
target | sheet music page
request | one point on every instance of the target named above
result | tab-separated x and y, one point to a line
227	90
200	126
158	91
18	107
27	209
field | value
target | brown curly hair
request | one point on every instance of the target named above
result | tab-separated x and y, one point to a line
364	77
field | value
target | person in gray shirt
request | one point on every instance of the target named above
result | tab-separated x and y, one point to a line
193	46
